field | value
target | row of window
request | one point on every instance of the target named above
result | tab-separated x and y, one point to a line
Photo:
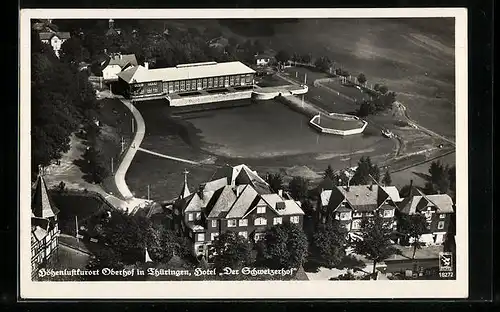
231	223
200	237
207	83
346	215
257	221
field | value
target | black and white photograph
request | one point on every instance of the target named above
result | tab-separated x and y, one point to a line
321	151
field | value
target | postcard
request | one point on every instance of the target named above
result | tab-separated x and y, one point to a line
243	154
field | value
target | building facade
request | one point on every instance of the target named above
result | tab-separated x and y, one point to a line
54	39
140	81
350	204
236	199
437	210
117	63
44	227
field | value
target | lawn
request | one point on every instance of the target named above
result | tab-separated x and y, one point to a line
116	120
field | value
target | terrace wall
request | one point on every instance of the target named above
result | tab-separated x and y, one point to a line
209	98
346	117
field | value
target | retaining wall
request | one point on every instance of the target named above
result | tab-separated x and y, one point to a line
210	98
321	129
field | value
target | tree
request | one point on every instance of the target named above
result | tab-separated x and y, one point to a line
387	180
73	52
375	244
298	188
305	58
275	181
127	235
361	78
329	173
439	180
329	243
161	243
284	246
104	258
323	63
231	250
97	168
383	89
282	56
363	172
413	227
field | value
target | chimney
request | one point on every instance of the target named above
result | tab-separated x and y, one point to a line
201	189
280	193
370	186
106	51
409	190
237	191
120	55
111	23
146	65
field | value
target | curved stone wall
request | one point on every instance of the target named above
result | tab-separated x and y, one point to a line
345	117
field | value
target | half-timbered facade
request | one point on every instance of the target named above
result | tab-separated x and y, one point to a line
44	227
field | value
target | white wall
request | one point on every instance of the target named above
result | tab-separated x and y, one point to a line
111	71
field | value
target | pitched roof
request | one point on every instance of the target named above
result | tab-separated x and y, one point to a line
185	189
393	193
128	74
442	202
243	203
49	35
361	197
41	203
123	60
325	197
38	233
290	206
187	71
193	203
223	203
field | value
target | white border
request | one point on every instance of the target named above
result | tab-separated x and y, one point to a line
247	290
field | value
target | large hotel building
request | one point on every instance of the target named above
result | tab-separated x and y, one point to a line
142	82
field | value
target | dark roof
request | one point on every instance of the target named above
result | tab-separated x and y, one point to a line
41	203
224	202
113	32
362	198
49	35
225	171
441	202
122	60
243	203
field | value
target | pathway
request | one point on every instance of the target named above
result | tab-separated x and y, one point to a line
169	157
132	149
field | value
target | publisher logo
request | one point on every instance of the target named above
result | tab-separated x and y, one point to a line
445	261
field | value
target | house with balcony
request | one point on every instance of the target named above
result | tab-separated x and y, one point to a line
438	210
350	204
235	199
44	226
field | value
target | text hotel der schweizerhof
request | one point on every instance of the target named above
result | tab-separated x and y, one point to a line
198	272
